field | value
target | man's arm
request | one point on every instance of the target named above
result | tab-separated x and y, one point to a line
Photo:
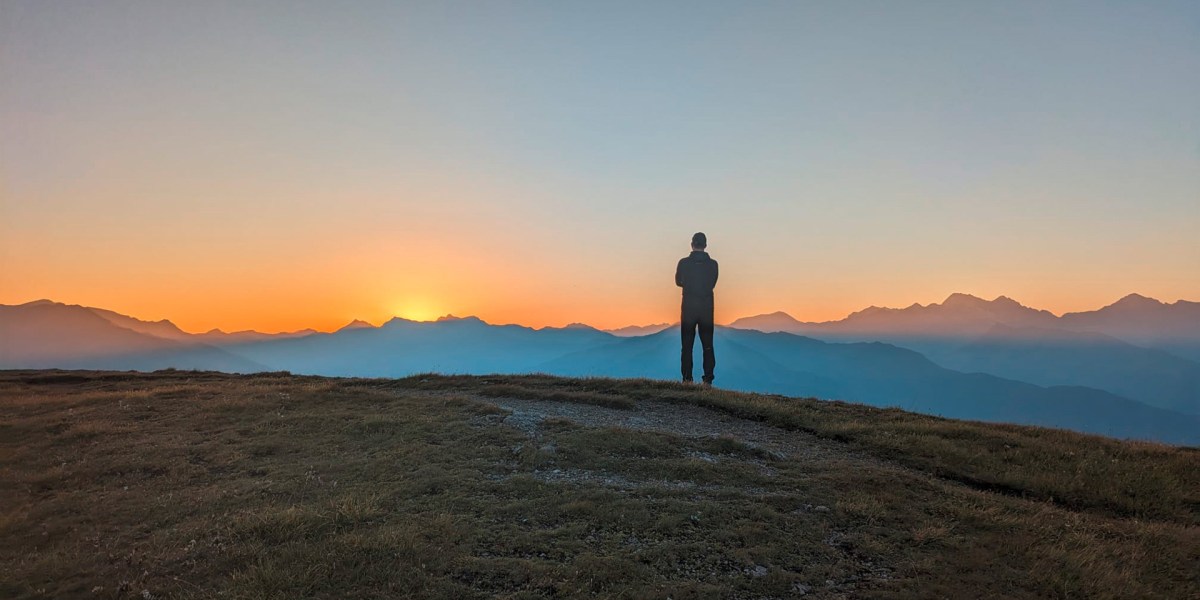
679	274
715	273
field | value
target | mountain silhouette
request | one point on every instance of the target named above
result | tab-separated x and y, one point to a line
404	347
1062	357
958	315
42	335
1138	348
1135	318
1146	322
162	329
217	337
636	330
1043	386
356	324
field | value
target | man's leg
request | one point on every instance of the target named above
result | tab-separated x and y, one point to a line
706	340
688	337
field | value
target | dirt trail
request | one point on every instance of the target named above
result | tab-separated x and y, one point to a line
795	447
685	420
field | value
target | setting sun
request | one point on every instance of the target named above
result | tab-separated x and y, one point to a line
418	310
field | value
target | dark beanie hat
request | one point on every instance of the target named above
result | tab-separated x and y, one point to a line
699	240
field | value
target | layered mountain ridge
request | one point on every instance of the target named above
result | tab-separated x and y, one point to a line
1007	372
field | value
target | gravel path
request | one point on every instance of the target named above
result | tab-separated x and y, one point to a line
697	422
685	420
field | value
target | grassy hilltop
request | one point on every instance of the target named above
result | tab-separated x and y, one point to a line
195	485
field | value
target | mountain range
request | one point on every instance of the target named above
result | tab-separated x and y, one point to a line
964	358
1137	347
1135	318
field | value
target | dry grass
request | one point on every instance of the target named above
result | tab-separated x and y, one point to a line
1079	471
195	485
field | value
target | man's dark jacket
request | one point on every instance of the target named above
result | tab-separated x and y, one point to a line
697	275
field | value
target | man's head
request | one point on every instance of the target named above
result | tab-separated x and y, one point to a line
699	241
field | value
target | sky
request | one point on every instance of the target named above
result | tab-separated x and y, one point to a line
281	165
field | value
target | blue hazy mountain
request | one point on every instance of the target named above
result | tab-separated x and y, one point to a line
1137	347
1061	357
1173	327
41	335
958	316
1134	319
401	347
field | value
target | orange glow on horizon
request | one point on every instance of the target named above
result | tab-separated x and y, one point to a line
468	260
419	309
331	313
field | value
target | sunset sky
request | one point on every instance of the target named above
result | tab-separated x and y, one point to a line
280	165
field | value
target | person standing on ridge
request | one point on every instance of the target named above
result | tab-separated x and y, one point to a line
697	275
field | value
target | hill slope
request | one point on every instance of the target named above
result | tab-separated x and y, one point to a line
195	485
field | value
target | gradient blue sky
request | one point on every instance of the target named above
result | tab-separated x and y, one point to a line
285	164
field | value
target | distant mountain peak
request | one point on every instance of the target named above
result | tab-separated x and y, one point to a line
960	299
398	320
1137	300
357	324
467	319
778	313
776	321
640	330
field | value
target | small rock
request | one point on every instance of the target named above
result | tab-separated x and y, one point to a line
517	449
801	589
822	509
146	595
757	571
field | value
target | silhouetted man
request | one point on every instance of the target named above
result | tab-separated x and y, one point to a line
697	275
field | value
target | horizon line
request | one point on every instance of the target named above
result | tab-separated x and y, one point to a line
452	317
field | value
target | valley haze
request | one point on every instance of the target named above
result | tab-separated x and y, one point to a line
1127	370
